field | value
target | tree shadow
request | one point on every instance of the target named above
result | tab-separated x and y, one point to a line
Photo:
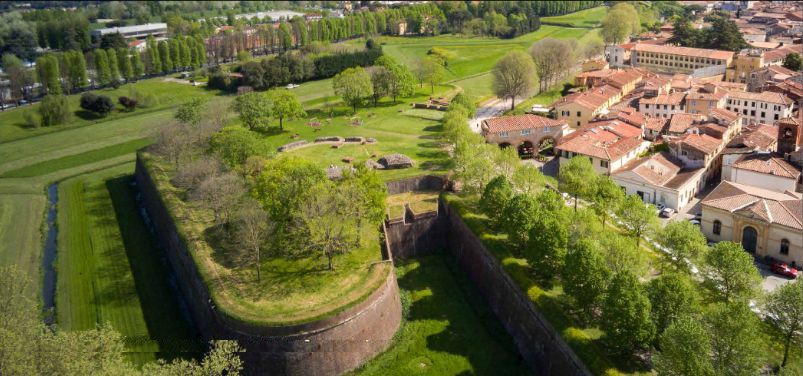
88	115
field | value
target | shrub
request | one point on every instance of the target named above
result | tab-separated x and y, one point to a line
99	104
129	103
31	118
143	100
54	110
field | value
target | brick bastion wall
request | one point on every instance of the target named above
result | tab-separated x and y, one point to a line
539	344
330	346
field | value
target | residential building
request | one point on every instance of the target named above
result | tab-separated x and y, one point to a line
764	170
609	144
744	62
660	179
679	59
705	99
663	105
528	133
696	149
766	107
136	32
771	74
766	223
754	139
681	122
654	127
578	108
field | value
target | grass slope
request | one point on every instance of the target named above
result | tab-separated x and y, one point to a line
21	218
587	18
450	329
109	269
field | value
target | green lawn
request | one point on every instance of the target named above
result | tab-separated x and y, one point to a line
168	94
397	128
587	18
449	331
109	268
21	218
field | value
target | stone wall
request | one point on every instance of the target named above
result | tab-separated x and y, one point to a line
418	183
415	237
331	346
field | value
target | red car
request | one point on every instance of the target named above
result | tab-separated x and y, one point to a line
784	270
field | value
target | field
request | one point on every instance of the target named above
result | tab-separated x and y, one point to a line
109	268
585	18
449	331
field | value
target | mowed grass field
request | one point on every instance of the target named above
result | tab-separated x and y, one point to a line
449	331
587	18
109	269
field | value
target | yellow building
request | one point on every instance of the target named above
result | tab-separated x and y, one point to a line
706	99
578	108
678	59
744	63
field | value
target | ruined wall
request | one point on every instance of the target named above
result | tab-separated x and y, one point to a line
418	183
331	346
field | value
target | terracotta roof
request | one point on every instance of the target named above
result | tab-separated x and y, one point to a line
755	137
592	98
779	54
707	96
674	98
622	78
631	116
767	164
661	169
723	114
656	124
773	207
713	129
764	45
700	142
765	96
519	122
680	122
684	51
608	140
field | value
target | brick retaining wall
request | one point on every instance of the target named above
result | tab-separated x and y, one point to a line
331	346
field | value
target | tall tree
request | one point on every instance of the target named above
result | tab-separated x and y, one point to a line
353	85
103	74
730	273
574	176
616	27
548	242
164	53
626	314
685	349
175	53
639	219
19	77
785	306
586	276
672	296
328	230
513	76
124	62
255	109
138	68
381	80
495	198
735	336
606	196
114	66
184	53
521	216
47	68
253	229
285	105
154	57
683	241
429	70
76	69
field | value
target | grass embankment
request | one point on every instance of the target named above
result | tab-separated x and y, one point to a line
588	18
292	290
396	126
450	330
110	270
167	95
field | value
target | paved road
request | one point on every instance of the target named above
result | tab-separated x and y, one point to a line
488	109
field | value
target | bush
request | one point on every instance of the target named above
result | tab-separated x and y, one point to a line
222	81
32	119
144	100
99	104
129	103
54	110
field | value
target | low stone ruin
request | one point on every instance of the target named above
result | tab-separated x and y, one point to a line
394	161
292	145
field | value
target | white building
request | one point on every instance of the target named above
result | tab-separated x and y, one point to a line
764	170
137	31
609	144
765	107
660	179
663	105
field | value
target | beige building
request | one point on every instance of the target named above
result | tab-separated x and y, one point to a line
609	144
528	133
706	99
744	63
579	108
766	107
660	179
764	170
766	223
678	59
662	105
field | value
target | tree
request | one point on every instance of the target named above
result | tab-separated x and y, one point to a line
574	176
191	112
547	243
136	64
99	104
631	16
429	70
154	57
735	336
353	85
495	199
724	34
76	69
549	57
184	53
730	273
19	77
54	110
114	66
221	194
616	27
785	306
164	53
672	296
520	217
47	68
685	349
102	71
513	76
113	40
255	109
626	314
285	105
793	62
327	229
463	100
620	253
380	82
586	276
253	228
606	196
683	241
172	141
235	144
125	64
401	81
527	179
637	217
190	175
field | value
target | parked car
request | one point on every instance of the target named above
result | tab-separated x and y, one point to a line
784	270
695	222
667	212
660	206
291	86
698	216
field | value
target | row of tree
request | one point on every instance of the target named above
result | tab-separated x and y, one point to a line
385	79
722	35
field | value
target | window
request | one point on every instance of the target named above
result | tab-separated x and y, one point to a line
647	106
717	227
776	116
503	134
579	114
525	132
752	112
603	164
546	129
784	246
578	123
763	114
